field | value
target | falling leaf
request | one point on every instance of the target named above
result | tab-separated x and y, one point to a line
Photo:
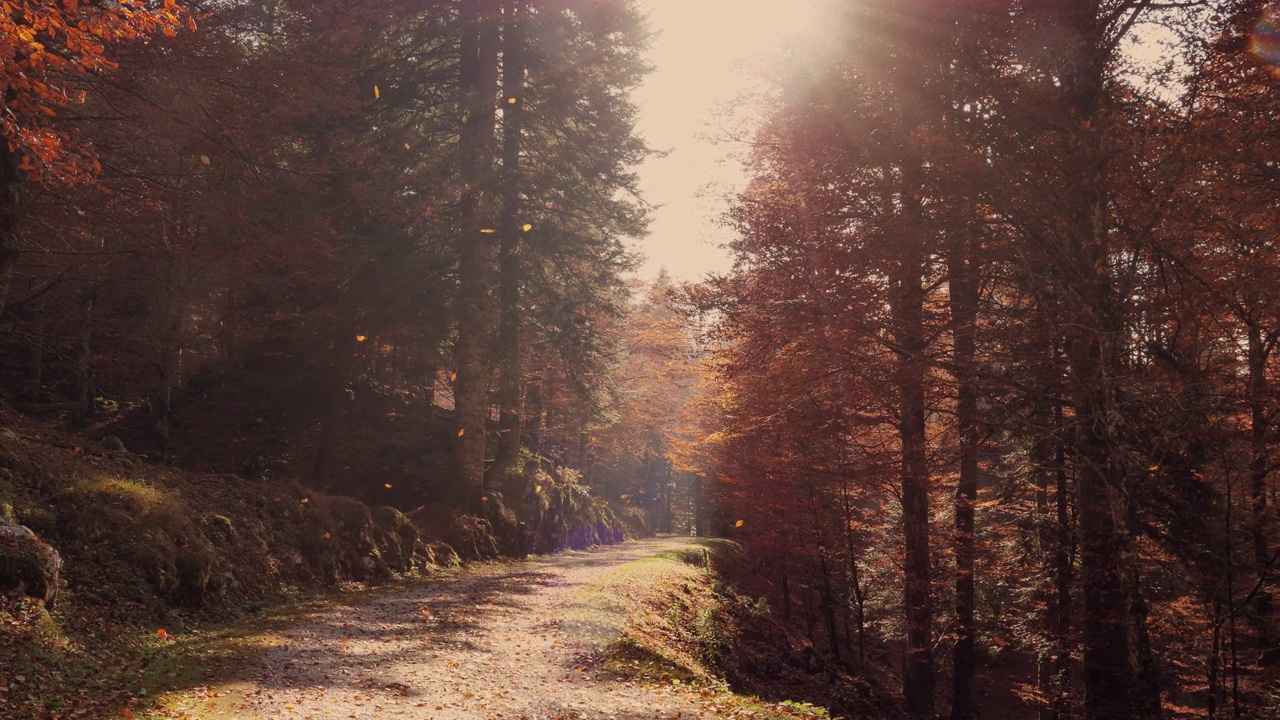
328	536
387	486
739	523
527	227
162	634
537	489
484	498
488	231
453	377
204	159
77	451
512	101
461	432
406	146
376	92
304	501
361	338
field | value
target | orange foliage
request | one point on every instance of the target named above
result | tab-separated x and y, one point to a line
47	46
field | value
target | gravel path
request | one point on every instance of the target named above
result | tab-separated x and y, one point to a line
489	644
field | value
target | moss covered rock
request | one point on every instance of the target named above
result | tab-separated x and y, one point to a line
147	527
28	566
395	537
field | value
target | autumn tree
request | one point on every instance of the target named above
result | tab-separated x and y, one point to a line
48	46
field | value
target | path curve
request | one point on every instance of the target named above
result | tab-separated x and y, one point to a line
485	644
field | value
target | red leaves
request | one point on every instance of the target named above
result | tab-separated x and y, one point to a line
46	41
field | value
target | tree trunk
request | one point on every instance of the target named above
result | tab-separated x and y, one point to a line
35	363
964	309
10	213
510	352
829	606
86	402
1259	350
478	82
907	311
342	363
1119	672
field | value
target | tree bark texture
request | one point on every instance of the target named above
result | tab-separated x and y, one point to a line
10	210
510	352
1260	348
964	310
478	84
907	309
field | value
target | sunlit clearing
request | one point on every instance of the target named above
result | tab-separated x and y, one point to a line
1266	38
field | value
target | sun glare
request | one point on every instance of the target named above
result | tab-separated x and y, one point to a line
1266	39
703	55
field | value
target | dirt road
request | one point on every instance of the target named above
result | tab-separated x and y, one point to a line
512	642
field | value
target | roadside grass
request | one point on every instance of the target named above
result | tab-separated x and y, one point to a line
664	621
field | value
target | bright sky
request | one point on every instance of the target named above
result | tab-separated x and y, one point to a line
702	57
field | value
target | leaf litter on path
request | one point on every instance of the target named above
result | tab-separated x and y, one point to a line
504	643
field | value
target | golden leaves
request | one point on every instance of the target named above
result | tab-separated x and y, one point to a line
526	227
361	338
204	160
387	486
304	501
376	92
453	377
462	432
162	634
739	523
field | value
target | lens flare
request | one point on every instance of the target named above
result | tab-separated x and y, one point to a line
1266	38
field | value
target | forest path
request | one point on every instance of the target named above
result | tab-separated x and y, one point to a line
515	642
